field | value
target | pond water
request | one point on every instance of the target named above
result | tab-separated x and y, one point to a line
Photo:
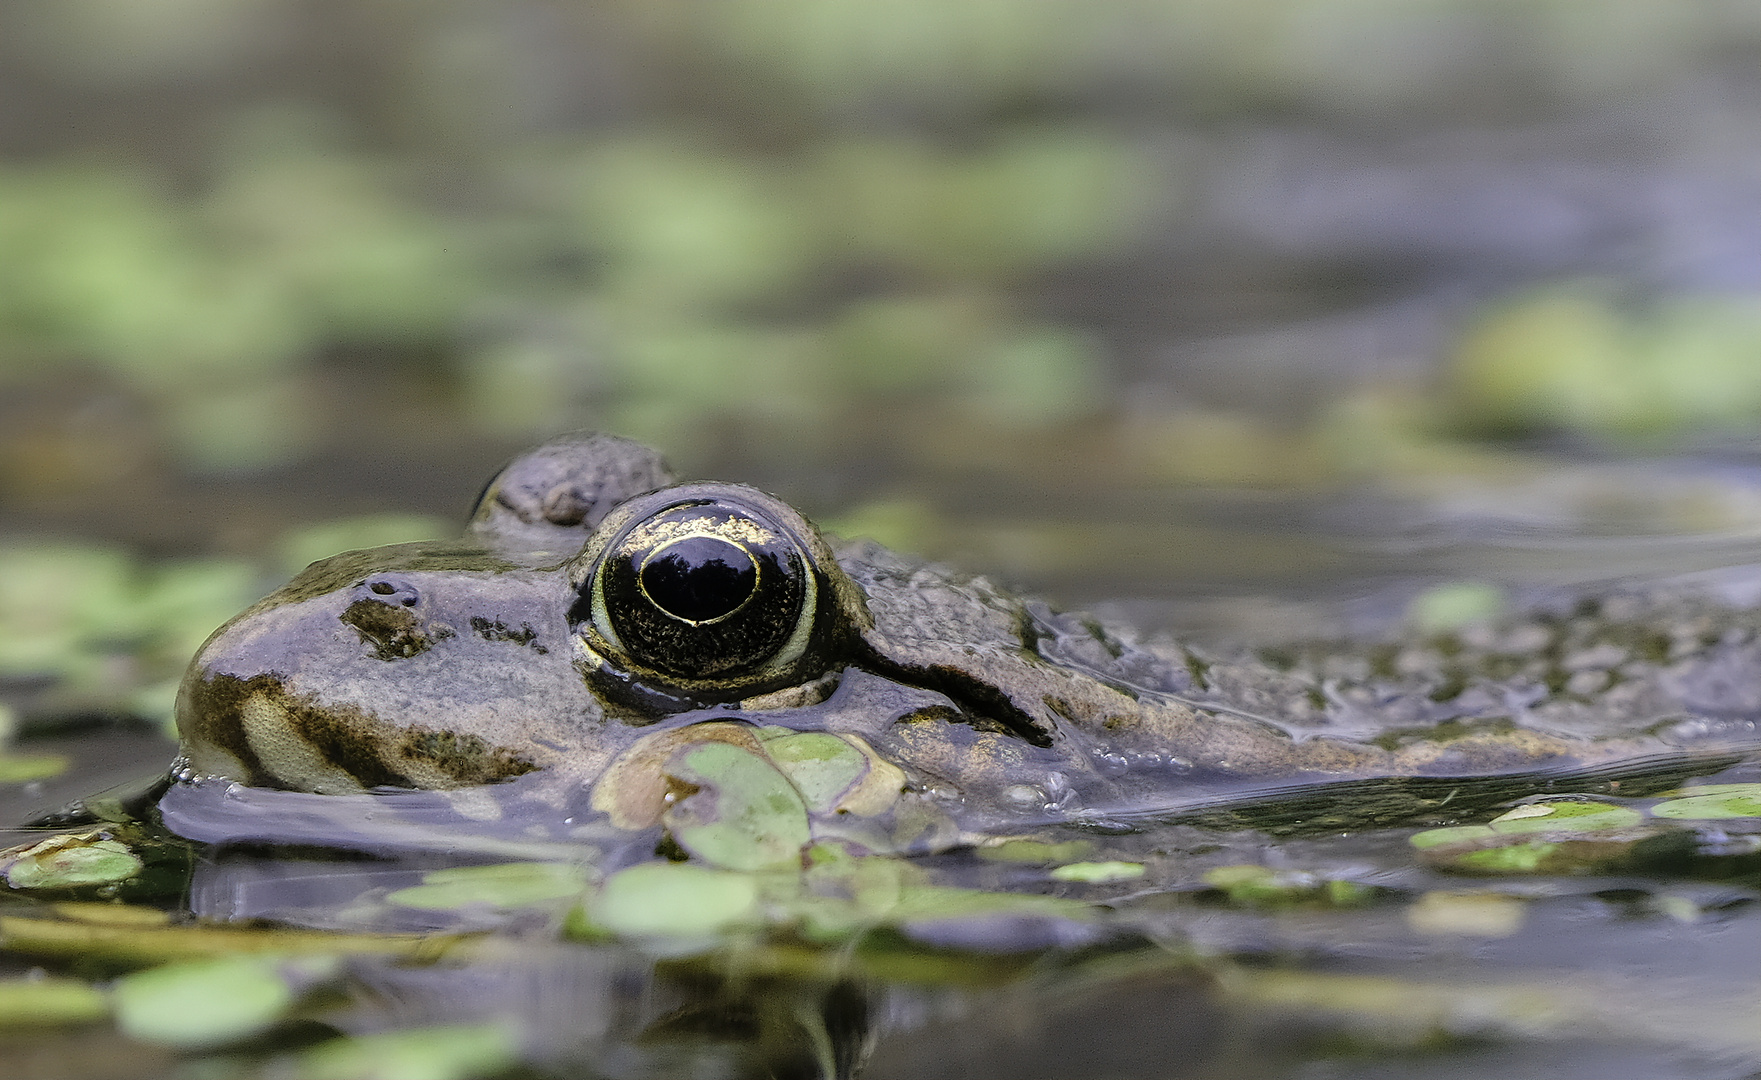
1253	324
1292	936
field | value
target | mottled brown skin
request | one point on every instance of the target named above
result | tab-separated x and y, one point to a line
438	666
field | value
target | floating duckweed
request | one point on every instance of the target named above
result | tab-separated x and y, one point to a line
1095	873
49	1002
203	1002
821	766
71	861
1573	815
431	1053
1712	802
1568	359
504	885
745	814
672	899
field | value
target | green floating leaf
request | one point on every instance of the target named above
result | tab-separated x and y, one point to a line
23	768
1095	873
433	1053
1575	815
1714	801
504	885
203	1002
745	814
821	766
50	1002
673	899
65	862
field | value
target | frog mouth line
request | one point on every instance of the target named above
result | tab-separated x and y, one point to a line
971	694
337	749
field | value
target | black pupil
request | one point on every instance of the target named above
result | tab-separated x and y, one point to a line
699	578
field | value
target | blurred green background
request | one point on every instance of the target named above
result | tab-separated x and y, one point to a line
1109	298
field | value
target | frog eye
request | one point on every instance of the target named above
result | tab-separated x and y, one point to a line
713	590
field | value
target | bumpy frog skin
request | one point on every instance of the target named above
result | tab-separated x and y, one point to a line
598	634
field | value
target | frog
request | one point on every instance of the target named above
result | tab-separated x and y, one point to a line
606	647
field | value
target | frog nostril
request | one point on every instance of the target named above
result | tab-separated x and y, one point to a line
399	592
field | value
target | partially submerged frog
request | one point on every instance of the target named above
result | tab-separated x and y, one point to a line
607	646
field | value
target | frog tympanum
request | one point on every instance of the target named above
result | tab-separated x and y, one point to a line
605	646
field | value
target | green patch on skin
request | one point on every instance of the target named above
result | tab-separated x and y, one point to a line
203	1003
504	885
821	766
1575	815
24	768
669	900
71	861
741	812
1454	834
1261	886
50	1002
1713	802
1096	873
430	1053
